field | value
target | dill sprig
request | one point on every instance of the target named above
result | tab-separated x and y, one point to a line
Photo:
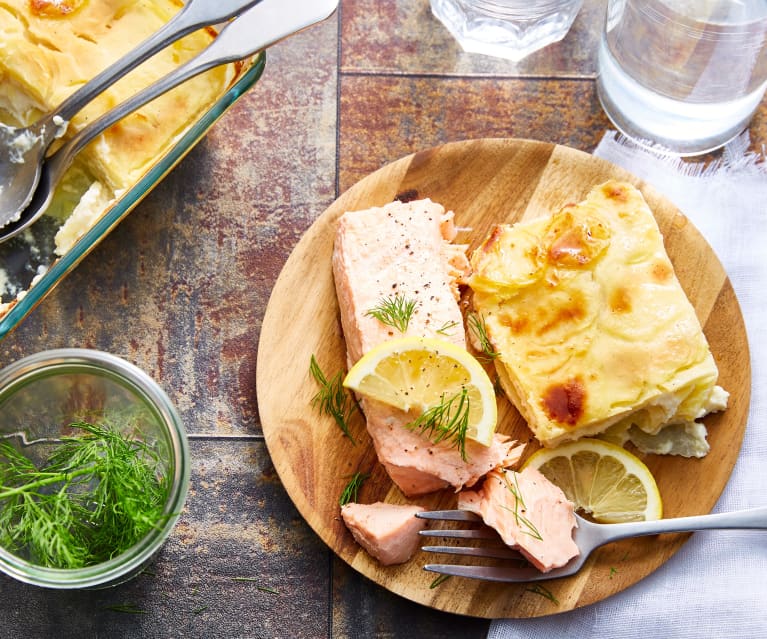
98	494
332	398
446	328
394	310
129	608
544	592
525	525
478	328
352	488
446	421
439	581
256	580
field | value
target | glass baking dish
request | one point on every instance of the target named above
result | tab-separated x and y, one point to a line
30	265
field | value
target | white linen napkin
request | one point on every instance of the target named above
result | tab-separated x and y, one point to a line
716	585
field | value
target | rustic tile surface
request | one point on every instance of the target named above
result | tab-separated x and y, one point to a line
180	289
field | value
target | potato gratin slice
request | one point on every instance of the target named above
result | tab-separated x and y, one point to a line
593	329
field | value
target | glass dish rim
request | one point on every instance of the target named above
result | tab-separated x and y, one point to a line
125	204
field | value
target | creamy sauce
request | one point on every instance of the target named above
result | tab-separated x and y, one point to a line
20	144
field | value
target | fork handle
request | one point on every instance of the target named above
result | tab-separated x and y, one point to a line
751	519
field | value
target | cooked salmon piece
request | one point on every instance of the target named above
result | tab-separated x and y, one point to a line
530	514
406	249
388	532
399	249
419	466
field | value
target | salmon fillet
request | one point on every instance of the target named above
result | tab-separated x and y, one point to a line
400	248
406	249
530	514
418	466
388	532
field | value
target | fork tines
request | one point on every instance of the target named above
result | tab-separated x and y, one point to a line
496	551
492	552
518	570
449	515
512	573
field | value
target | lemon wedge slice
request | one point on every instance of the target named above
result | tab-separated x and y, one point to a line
603	479
419	373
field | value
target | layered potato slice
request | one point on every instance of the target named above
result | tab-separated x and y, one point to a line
48	49
594	332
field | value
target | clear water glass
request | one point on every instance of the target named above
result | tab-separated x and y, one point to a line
683	76
511	29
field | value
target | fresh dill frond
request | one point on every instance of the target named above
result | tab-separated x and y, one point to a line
130	608
351	489
525	525
446	421
256	580
97	495
478	328
394	310
446	328
439	581
332	398
544	592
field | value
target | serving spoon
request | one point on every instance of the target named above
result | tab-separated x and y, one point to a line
257	28
23	149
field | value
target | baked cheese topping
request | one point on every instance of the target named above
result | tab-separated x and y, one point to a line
592	327
49	49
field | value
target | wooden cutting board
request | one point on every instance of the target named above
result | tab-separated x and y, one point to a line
484	182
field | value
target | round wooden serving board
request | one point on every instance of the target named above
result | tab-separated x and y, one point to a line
484	182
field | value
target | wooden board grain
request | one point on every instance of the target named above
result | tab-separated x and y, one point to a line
484	182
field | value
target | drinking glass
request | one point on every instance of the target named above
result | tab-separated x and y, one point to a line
510	29
683	76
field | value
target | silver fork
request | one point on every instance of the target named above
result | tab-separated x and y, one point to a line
588	536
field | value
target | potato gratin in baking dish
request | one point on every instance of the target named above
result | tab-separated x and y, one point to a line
47	50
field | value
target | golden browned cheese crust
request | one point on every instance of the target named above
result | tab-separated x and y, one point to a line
50	48
592	326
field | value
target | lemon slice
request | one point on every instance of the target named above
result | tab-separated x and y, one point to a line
603	479
419	373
